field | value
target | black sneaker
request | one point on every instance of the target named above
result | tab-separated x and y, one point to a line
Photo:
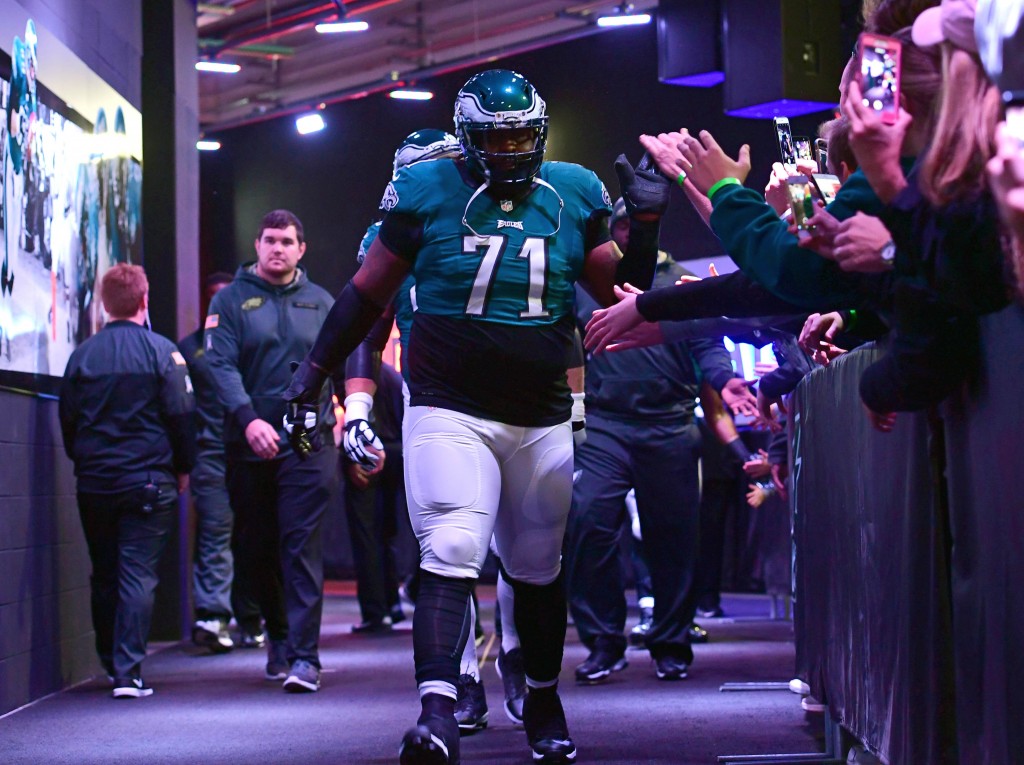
252	639
372	626
212	634
600	664
510	669
546	729
304	677
711	612
670	667
638	635
471	705
277	660
131	688
696	633
434	741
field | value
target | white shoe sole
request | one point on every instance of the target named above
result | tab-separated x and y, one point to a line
132	693
298	685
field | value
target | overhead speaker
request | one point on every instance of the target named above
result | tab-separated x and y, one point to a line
689	43
782	57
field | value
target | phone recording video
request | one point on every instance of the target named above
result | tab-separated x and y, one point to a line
880	75
827	186
803	148
821	154
787	148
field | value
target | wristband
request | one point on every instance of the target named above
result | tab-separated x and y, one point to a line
721	183
739	450
680	178
358	406
579	412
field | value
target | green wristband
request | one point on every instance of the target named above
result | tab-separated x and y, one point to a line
680	178
721	183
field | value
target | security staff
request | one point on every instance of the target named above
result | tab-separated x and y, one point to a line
641	434
212	571
260	323
126	417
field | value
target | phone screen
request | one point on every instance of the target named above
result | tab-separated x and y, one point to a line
880	74
828	186
821	154
787	149
803	147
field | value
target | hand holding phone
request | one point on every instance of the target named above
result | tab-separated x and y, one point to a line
880	75
787	148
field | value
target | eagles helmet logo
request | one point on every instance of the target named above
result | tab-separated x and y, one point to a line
390	200
604	196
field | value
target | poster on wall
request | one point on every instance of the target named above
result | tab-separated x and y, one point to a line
70	151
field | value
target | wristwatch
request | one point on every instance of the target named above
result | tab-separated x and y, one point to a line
888	253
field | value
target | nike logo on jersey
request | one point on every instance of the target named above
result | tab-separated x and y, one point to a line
510	224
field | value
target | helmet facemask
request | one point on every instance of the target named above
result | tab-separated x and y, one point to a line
502	124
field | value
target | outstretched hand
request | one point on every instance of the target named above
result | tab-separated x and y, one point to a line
608	324
701	159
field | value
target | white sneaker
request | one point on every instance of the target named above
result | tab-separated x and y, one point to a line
212	634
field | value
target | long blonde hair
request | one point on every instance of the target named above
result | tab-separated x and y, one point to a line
963	138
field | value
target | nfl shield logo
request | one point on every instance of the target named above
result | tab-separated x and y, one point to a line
506	205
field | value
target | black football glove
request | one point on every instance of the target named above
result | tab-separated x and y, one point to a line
302	418
644	190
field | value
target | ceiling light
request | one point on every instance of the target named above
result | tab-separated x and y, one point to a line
624	20
411	95
217	66
207	145
309	123
332	27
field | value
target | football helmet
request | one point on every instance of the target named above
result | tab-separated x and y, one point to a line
426	144
502	124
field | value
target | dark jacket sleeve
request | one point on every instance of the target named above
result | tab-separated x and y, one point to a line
177	408
68	410
714	361
734	294
223	347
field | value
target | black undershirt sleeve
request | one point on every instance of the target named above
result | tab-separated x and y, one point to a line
402	233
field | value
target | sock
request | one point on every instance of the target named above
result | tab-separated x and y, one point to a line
540	616
506	601
469	665
441	627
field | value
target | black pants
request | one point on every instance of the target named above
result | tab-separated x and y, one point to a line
375	516
125	545
279	505
660	462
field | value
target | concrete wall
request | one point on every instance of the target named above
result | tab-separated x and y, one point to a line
46	638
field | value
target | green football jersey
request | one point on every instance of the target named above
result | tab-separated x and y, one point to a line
493	259
492	328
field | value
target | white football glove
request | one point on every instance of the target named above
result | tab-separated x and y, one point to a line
358	432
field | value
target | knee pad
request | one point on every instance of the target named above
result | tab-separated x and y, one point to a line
453	546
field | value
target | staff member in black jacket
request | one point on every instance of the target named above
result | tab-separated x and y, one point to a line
641	434
268	317
126	416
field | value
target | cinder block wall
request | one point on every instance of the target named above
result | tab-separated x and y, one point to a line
46	639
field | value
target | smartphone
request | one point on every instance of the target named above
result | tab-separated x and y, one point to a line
827	185
821	154
1014	101
787	149
880	75
801	200
803	147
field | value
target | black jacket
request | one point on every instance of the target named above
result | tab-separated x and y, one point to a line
209	410
254	330
126	410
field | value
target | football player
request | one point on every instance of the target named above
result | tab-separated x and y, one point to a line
496	241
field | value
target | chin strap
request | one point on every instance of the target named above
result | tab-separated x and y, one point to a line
487	184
